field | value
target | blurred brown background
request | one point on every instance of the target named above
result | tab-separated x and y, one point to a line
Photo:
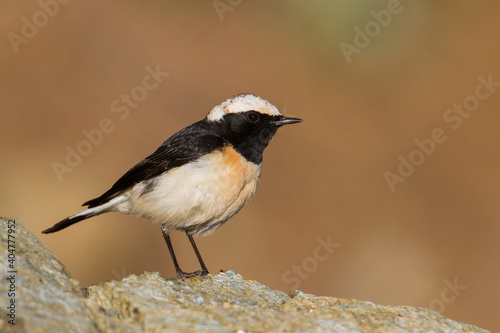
323	178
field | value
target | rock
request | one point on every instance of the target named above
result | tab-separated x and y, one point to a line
47	299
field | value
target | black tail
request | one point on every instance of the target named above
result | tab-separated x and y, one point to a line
89	212
66	223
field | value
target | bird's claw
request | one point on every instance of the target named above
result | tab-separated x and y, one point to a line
183	275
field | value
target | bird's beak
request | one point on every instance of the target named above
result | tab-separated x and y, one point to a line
286	121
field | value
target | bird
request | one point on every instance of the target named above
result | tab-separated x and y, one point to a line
198	178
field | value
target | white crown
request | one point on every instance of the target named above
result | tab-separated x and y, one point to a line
242	103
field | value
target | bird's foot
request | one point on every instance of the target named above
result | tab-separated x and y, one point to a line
183	275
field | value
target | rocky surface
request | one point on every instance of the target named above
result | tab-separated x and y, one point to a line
47	299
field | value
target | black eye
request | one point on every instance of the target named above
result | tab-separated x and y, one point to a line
253	117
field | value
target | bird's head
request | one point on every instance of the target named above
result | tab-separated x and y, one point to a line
248	122
250	107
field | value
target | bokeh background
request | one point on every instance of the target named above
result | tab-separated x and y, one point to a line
323	179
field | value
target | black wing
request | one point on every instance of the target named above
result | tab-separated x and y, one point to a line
183	147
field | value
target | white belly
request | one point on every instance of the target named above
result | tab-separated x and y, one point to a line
197	196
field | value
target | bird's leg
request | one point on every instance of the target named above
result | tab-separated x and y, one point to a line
180	273
166	234
204	270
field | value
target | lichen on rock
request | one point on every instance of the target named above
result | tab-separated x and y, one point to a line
49	300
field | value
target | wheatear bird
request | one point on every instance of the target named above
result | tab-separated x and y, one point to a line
200	177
